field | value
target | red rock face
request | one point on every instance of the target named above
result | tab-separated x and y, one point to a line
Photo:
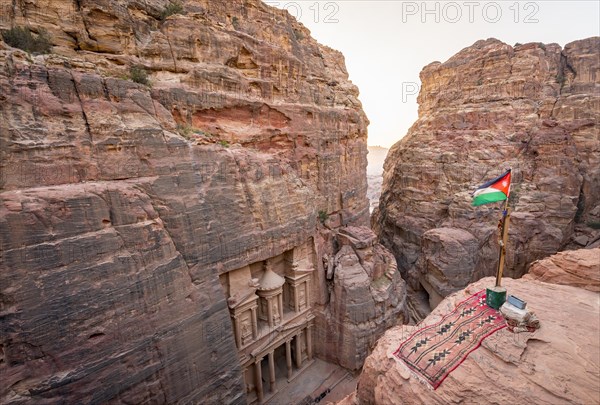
122	203
534	108
367	296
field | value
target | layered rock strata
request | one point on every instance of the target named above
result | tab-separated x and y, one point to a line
532	107
123	204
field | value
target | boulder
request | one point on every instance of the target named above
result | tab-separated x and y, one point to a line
366	296
578	268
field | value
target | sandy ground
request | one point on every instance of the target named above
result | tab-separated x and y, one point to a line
312	384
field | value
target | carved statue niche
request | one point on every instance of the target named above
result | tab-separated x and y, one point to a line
249	379
301	291
246	328
303	346
263	309
291	295
298	275
242	302
276	316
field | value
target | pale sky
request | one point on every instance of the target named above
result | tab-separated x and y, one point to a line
387	43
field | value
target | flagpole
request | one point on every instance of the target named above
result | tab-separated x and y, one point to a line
503	242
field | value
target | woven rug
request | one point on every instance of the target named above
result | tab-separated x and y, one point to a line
435	350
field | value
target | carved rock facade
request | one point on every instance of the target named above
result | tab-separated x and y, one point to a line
158	242
271	311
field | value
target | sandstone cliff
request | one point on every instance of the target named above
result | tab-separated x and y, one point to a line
558	363
531	107
122	203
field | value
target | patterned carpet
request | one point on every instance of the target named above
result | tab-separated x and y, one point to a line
435	350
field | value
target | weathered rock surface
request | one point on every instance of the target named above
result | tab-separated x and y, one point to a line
448	263
532	107
121	204
366	296
558	363
578	268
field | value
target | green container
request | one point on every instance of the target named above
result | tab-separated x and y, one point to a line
495	297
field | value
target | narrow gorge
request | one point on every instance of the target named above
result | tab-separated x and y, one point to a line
185	215
183	207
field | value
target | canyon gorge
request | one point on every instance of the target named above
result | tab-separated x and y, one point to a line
185	214
183	206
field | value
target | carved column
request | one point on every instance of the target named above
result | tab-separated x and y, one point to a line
298	350
288	358
296	300
258	381
280	297
238	332
270	311
272	370
309	342
307	286
254	323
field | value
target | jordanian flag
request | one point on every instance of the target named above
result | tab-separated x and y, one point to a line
493	191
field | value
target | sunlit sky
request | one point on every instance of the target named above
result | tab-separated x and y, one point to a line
387	43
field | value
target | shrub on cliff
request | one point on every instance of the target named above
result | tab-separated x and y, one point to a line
190	132
22	38
323	216
235	22
139	75
171	9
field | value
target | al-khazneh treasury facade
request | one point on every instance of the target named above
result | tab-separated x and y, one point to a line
271	314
